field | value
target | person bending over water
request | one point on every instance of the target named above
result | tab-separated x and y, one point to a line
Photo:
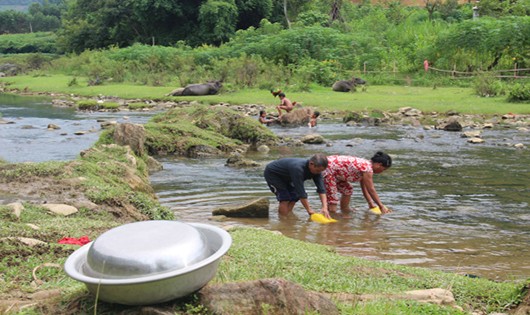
342	170
285	178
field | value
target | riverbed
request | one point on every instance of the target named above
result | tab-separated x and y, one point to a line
458	207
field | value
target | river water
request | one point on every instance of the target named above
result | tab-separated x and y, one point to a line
457	207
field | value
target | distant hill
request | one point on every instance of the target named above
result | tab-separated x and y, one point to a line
17	5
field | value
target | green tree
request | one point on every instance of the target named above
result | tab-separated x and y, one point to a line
124	22
486	42
251	12
498	8
14	22
217	20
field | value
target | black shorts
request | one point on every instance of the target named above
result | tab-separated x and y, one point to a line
284	191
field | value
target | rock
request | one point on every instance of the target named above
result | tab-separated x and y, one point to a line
132	135
153	165
17	208
435	296
61	209
278	295
518	146
263	148
313	139
255	209
237	160
475	140
298	116
33	226
26	240
53	127
5	122
409	111
80	133
487	126
108	124
471	134
452	125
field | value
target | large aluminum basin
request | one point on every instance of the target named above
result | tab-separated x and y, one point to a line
146	267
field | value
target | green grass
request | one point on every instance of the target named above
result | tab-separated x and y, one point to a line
259	254
386	98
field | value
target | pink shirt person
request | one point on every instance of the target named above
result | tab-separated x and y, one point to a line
343	170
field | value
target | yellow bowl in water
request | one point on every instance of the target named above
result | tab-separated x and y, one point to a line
376	210
320	218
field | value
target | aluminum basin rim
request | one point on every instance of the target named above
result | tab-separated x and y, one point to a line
79	256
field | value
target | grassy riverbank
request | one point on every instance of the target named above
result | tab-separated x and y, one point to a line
391	98
109	185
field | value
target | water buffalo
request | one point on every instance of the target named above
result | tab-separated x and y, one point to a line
347	85
209	88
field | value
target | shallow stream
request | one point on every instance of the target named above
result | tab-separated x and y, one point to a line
458	207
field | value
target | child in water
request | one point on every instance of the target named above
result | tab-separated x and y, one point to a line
263	118
313	119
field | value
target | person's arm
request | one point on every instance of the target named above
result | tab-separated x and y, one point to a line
368	183
324	201
306	205
321	190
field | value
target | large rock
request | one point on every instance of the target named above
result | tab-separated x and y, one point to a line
313	139
276	296
256	209
132	135
298	116
452	124
236	160
61	209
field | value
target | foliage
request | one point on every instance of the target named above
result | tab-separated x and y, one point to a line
485	43
519	92
217	19
487	85
43	42
41	17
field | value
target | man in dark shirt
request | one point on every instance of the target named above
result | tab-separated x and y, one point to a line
286	177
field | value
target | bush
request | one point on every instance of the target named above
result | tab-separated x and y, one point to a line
519	92
487	85
43	42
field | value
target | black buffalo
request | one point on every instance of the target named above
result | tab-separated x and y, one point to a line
209	88
347	85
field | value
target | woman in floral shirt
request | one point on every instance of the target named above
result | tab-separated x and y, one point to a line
342	170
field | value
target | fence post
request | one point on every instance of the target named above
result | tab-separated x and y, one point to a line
364	66
515	70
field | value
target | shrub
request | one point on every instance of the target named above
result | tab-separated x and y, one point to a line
487	85
519	92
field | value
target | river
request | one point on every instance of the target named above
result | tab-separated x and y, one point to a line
458	207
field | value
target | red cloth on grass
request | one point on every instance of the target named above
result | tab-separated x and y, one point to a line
75	241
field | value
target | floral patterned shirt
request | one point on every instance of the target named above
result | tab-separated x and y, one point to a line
342	170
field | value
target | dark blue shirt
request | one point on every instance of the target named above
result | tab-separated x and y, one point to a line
294	171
